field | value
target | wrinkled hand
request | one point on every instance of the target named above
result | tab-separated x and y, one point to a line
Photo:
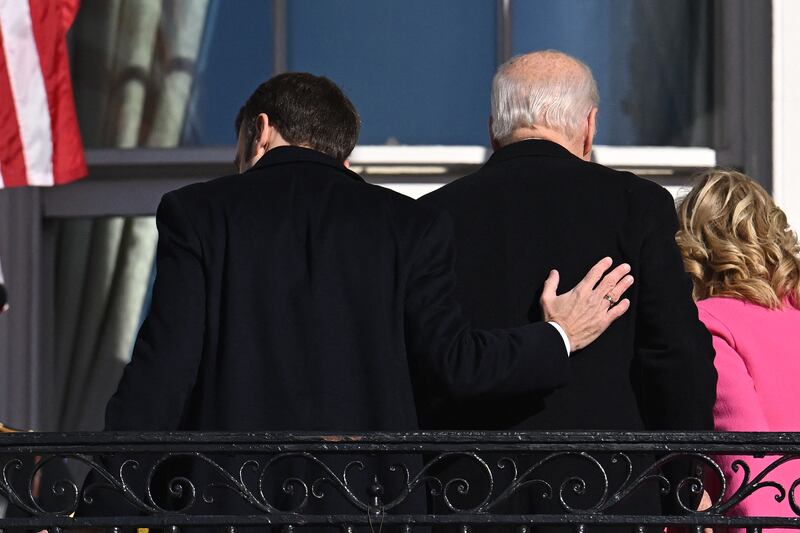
584	312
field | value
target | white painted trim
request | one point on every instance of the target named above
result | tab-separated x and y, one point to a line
655	156
613	156
432	156
414	190
420	155
396	170
786	108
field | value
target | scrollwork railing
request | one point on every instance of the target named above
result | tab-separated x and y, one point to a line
407	479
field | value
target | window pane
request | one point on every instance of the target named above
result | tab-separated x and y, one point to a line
418	71
167	73
652	61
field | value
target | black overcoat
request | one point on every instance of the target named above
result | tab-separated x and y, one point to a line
534	207
297	297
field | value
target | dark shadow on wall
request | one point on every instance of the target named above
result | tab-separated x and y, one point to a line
671	64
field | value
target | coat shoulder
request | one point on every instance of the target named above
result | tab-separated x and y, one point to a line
628	180
202	192
726	311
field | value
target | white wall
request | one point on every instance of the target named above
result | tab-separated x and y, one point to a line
786	107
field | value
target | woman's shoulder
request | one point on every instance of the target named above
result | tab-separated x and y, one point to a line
727	309
723	304
716	314
725	316
726	306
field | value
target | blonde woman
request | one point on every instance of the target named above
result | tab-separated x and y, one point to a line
743	260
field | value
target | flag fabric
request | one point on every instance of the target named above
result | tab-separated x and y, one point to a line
40	141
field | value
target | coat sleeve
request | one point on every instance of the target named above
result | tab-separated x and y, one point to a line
738	408
453	359
673	369
157	382
674	359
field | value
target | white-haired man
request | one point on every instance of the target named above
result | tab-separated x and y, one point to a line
540	204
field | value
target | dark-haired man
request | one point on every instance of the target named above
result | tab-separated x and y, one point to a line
295	296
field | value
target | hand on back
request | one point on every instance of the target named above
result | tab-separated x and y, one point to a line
587	310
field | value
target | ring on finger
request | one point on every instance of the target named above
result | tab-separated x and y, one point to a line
609	298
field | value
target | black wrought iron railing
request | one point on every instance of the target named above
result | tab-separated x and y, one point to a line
515	481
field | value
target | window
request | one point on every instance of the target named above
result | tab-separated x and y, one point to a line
166	74
175	73
418	71
653	62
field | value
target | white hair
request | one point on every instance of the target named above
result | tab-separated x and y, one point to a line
559	99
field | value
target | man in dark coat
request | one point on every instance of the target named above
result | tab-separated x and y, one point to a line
653	369
295	296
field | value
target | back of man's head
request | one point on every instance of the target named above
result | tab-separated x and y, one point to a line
306	110
546	89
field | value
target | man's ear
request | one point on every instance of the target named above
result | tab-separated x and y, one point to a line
261	139
257	146
591	130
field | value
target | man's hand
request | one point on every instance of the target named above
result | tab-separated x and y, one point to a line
588	309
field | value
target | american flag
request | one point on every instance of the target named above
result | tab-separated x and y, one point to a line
40	141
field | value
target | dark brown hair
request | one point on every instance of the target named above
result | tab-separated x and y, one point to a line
306	110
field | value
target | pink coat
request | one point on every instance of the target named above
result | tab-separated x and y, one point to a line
758	362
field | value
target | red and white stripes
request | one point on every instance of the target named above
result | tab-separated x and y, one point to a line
39	138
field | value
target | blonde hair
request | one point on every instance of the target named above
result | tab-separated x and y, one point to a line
736	242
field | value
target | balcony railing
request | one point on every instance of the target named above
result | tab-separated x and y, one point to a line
298	480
